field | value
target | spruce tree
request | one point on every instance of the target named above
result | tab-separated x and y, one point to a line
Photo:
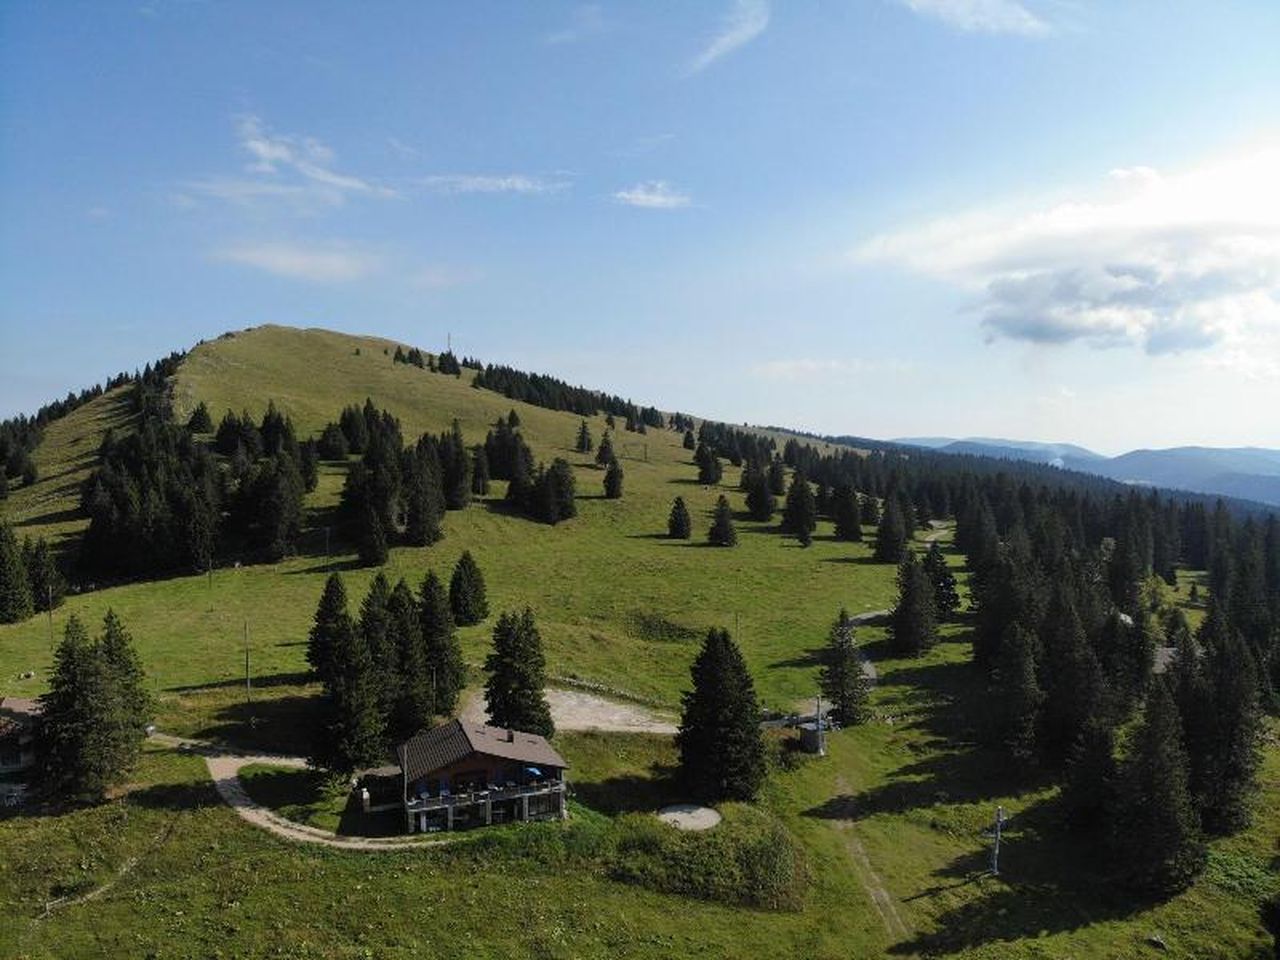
722	532
946	597
584	443
777	476
613	482
467	597
1017	696
479	471
127	707
846	513
710	469
455	464
1235	734
330	620
842	679
689	442
605	454
440	640
353	732
1089	787
200	421
414	696
1157	833
47	585
372	544
679	523
913	626
870	510
760	500
891	535
800	515
1074	683
375	624
15	584
720	744
517	674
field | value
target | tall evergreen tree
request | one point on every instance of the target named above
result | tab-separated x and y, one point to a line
605	454
913	626
842	679
375	624
15	584
1089	786
479	471
846	513
467	595
722	532
689	442
584	443
455	462
1157	832
517	674
891	535
1074	684
353	732
710	470
720	744
760	500
331	620
1235	735
679	523
870	510
1017	697
800	515
946	597
613	481
372	545
440	640
414	695
777	476
200	421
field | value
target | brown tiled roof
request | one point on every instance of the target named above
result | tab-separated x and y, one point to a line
16	713
453	741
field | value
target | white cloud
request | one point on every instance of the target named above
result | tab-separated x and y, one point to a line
298	169
450	183
585	21
744	22
982	16
653	195
317	264
1171	263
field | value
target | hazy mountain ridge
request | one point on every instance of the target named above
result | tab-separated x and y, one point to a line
1251	473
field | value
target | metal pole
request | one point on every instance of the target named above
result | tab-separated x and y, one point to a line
248	687
49	588
995	850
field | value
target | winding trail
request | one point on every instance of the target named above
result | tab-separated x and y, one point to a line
224	769
879	895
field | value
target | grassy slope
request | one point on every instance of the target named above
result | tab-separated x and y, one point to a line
904	797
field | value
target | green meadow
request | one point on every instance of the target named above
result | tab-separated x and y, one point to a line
890	823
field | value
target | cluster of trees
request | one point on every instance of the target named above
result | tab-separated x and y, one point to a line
546	391
719	741
546	494
414	357
20	435
160	501
386	674
30	579
398	493
1068	636
94	717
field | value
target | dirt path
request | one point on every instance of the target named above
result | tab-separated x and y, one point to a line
880	897
578	710
224	768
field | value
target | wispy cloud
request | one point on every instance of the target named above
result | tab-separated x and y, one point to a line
983	16
451	183
585	21
653	195
744	22
1171	263
333	264
289	167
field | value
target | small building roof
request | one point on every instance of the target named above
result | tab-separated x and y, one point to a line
453	741
17	713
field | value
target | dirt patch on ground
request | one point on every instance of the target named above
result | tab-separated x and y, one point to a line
578	710
689	816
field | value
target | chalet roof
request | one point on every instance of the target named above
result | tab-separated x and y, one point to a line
16	713
454	741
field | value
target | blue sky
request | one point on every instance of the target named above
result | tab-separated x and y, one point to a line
1033	218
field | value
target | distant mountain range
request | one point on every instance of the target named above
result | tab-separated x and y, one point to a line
1249	473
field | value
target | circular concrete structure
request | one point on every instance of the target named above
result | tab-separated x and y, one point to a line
689	816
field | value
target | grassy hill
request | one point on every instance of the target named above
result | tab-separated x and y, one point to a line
890	823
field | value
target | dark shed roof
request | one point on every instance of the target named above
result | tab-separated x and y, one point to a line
432	749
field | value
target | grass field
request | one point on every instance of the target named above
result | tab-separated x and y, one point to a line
890	822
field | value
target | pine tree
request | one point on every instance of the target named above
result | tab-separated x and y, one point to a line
440	640
722	533
467	598
800	515
375	625
913	627
517	674
605	454
679	523
613	482
760	500
353	733
710	469
200	421
777	477
372	544
15	584
720	744
870	510
1089	786
946	597
846	513
414	696
1074	683
455	463
1235	734
842	679
891	535
1017	696
584	443
479	471
127	707
47	585
1157	833
689	442
330	620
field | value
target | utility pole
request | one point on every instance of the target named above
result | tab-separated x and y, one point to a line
248	687
995	849
822	733
326	541
49	608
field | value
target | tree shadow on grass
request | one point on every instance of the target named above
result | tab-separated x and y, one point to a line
812	657
632	793
56	516
858	561
176	796
284	725
340	565
272	680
